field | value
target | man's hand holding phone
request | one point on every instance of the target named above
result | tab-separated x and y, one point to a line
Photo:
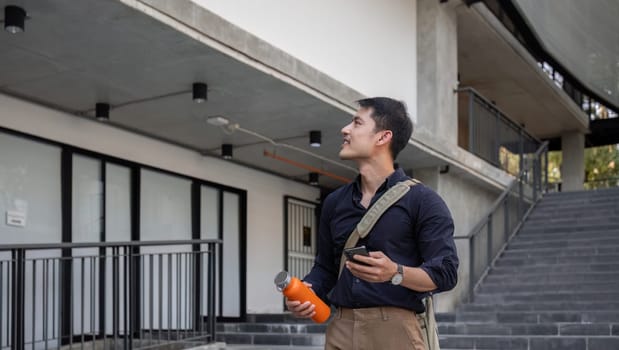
351	252
371	267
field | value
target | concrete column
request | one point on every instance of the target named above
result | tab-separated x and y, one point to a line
573	167
437	72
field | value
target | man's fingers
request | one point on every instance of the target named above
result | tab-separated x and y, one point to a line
377	254
364	259
302	310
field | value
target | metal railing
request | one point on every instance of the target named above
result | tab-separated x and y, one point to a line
488	133
490	236
116	295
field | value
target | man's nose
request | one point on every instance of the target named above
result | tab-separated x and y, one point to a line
345	130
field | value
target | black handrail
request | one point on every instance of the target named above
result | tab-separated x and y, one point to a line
50	246
540	183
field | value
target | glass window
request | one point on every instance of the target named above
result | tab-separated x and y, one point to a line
117	203
30	212
30	209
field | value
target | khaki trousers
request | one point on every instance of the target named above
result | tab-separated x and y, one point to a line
377	328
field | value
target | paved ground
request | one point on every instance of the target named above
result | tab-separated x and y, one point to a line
223	346
271	347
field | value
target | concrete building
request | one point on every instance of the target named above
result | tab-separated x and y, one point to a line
151	169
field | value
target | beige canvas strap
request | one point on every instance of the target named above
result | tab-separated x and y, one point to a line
375	212
429	327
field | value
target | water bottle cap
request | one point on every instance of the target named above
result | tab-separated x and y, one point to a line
281	280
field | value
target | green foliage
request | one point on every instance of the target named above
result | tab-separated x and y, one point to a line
601	167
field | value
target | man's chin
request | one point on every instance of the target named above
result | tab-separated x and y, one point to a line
344	156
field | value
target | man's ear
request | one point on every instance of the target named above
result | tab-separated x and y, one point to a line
385	137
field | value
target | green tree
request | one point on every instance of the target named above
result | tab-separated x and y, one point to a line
601	166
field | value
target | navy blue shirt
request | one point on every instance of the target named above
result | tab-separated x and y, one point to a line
416	231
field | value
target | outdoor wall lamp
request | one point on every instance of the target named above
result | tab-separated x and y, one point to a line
313	179
14	19
199	92
315	138
226	151
102	111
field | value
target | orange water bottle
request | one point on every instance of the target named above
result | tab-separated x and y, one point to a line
294	289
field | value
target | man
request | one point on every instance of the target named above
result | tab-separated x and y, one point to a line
412	251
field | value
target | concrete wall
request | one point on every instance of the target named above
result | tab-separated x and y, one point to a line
469	203
367	45
264	192
437	72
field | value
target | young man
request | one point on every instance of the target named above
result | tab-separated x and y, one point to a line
412	251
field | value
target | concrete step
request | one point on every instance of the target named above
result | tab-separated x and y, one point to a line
591	205
563	209
280	339
557	260
582	228
603	311
556	328
561	219
536	286
285	317
539	317
555	268
613	191
581	213
582	202
515	342
564	235
564	277
292	328
549	296
536	225
560	244
565	252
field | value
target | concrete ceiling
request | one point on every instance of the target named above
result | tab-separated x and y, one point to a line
493	66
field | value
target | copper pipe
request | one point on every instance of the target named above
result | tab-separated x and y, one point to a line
307	167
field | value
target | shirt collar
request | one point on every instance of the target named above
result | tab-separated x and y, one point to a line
395	177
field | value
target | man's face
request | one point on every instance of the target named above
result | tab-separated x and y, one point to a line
359	136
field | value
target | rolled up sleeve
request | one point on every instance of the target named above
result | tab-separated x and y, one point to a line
437	246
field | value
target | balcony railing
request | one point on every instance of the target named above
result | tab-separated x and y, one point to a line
488	133
122	295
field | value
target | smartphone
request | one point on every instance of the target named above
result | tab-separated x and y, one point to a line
351	252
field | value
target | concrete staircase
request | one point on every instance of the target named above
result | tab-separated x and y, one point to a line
555	287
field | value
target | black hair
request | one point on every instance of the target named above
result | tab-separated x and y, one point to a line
390	114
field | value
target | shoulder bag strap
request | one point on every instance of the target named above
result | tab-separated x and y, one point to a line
375	212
